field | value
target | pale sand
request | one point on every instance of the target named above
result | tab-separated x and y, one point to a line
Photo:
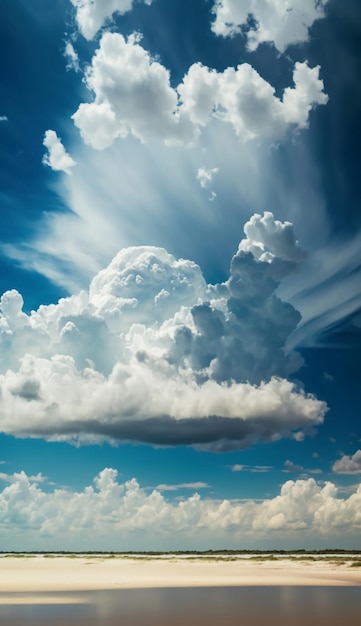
43	575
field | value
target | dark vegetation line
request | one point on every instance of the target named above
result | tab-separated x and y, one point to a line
183	552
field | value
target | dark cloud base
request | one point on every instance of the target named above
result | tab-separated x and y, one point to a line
218	434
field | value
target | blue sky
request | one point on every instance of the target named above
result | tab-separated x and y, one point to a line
180	311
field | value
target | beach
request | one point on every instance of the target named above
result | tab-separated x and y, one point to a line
107	590
49	573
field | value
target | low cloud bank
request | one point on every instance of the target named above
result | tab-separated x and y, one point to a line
113	515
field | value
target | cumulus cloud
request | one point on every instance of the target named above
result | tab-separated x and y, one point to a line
291	467
72	57
244	99
153	353
116	513
57	157
92	14
272	241
282	23
3	118
132	94
348	464
14	478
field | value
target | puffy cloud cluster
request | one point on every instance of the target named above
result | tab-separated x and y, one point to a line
282	23
117	513
92	14
57	157
348	464
133	94
153	353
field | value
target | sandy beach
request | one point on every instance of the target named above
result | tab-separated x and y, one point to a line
44	574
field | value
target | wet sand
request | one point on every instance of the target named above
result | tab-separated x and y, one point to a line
196	606
101	591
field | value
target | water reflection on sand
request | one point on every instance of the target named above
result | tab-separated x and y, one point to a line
221	606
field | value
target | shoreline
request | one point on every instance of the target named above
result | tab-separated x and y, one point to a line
44	575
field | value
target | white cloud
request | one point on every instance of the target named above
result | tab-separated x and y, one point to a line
205	176
3	118
193	486
133	94
72	57
152	353
125	516
348	464
92	14
14	478
57	158
244	99
282	23
271	241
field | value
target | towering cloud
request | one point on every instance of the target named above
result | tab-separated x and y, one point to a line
152	353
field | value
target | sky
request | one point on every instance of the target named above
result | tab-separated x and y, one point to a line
180	274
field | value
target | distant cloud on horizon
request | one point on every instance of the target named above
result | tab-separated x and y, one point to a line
124	516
